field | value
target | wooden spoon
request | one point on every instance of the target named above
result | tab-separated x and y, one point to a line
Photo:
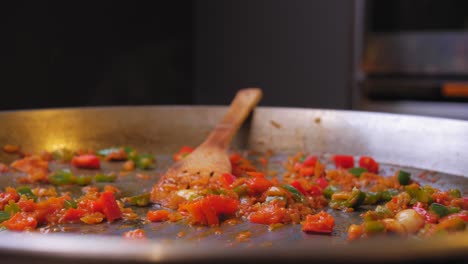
210	159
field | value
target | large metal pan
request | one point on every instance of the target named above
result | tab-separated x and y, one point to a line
435	147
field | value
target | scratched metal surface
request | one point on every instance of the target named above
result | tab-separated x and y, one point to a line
433	147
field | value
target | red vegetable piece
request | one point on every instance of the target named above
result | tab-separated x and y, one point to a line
110	207
310	161
227	179
369	163
298	186
343	161
206	211
21	221
86	161
258	184
73	215
307	171
429	216
315	190
158	215
270	213
322	182
319	223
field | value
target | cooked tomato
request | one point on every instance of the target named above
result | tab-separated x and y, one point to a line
86	161
73	215
227	179
10	194
310	161
369	163
208	209
319	223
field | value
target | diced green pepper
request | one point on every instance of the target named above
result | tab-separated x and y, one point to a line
439	209
26	190
70	204
62	154
453	210
388	194
139	200
419	194
455	193
373	227
330	190
357	171
62	177
404	177
12	208
131	153
144	161
101	177
83	180
241	190
356	199
372	197
296	194
383	212
4	216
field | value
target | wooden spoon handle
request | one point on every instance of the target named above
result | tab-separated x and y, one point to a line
242	104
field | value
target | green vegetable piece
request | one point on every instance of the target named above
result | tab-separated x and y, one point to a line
107	151
296	194
357	171
330	190
356	199
302	158
62	154
4	216
62	177
241	190
404	177
383	212
439	209
83	180
70	204
423	196
373	227
12	208
144	161
388	194
131	153
455	193
372	197
25	190
139	200
101	177
453	210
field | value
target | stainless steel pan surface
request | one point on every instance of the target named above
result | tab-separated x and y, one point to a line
435	148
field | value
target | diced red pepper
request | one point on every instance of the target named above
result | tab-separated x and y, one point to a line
319	223
462	216
158	215
206	211
315	190
110	207
258	184
9	195
322	182
369	163
27	205
183	152
298	186
21	221
73	215
227	179
86	161
343	161
307	171
310	161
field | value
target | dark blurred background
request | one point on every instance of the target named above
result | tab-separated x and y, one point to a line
392	56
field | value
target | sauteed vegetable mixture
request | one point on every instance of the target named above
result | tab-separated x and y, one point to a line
310	187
